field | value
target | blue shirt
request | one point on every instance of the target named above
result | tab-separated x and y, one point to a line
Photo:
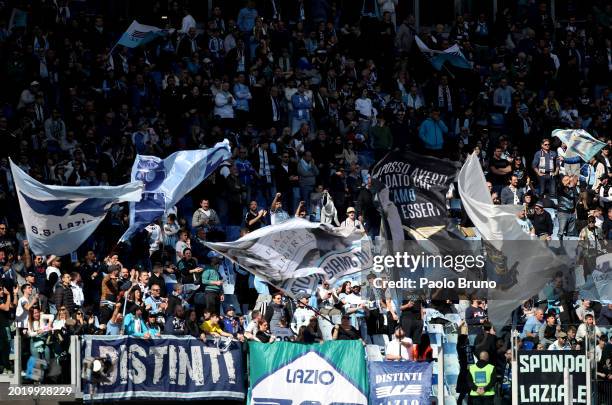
242	94
301	106
245	170
246	19
532	326
261	286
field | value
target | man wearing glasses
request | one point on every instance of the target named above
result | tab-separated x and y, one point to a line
545	165
561	342
155	304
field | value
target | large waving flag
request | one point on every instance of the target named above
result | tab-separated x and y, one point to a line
59	219
168	180
524	265
579	142
296	254
138	34
452	55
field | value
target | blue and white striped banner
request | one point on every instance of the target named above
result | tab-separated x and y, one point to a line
170	179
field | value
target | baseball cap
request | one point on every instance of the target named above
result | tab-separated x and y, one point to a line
212	254
539	204
562	335
350	209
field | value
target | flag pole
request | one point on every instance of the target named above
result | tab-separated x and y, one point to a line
448	72
112	49
316	311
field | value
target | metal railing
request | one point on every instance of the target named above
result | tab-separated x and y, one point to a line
600	391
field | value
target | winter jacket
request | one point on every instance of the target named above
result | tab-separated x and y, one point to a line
432	133
62	297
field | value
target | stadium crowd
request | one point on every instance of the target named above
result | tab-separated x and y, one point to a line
310	95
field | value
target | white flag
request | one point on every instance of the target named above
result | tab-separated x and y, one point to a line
527	265
139	34
296	254
59	219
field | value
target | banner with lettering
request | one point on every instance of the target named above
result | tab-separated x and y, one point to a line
403	382
170	367
415	188
540	376
296	254
292	374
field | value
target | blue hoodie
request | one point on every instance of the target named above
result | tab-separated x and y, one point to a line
432	133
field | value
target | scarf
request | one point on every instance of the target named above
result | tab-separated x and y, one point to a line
444	98
328	212
264	165
137	325
178	324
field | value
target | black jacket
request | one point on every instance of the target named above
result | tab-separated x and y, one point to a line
63	297
270	313
542	224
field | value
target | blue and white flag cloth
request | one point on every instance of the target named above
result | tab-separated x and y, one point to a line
59	219
170	179
400	382
453	55
138	34
580	142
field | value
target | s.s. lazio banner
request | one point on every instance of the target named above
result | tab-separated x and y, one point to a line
59	219
168	180
296	254
402	382
169	367
285	373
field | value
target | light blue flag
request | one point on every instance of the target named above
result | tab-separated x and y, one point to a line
580	142
455	59
168	180
138	34
59	219
452	55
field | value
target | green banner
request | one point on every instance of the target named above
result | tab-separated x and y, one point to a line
291	374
